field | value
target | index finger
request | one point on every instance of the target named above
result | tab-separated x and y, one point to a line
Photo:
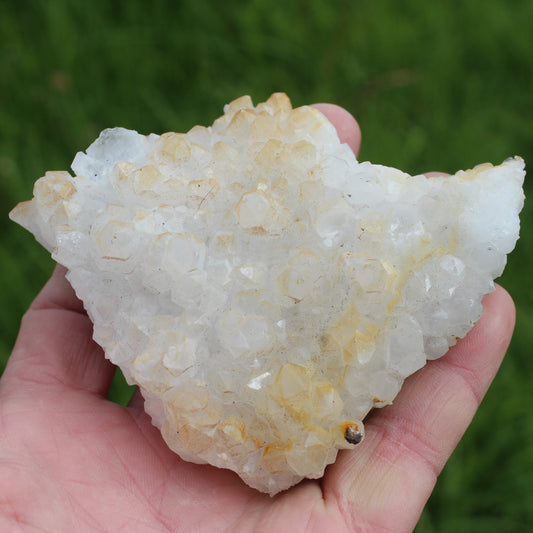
345	124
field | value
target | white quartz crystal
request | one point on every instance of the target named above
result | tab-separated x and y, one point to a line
263	288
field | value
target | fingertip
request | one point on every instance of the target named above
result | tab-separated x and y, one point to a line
347	127
435	174
502	301
494	330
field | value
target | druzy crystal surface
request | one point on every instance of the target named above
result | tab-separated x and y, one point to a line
263	288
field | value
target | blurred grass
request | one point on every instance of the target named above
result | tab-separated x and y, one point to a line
434	86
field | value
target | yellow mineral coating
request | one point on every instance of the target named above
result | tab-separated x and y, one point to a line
363	343
280	186
291	389
240	124
193	439
200	191
472	173
234	428
305	118
274	457
292	383
327	403
173	147
22	211
244	102
145	178
341	332
267	159
254	210
224	241
264	128
277	104
114	240
54	187
189	399
297	281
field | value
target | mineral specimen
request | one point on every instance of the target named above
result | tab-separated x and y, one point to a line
263	288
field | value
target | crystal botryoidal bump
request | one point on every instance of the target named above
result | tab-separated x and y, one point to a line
263	288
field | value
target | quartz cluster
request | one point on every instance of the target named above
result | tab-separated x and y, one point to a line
263	288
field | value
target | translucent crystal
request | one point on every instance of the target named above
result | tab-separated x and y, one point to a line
263	288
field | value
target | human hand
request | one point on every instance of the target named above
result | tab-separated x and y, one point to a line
70	460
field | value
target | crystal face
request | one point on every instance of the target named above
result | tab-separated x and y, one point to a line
263	288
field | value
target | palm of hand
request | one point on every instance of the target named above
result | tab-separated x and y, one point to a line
70	460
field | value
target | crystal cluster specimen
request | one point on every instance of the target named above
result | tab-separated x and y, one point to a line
263	288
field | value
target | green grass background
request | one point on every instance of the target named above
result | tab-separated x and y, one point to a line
434	85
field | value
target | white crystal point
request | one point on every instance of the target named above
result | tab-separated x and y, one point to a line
263	288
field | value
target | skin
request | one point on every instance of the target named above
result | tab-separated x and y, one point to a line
71	460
